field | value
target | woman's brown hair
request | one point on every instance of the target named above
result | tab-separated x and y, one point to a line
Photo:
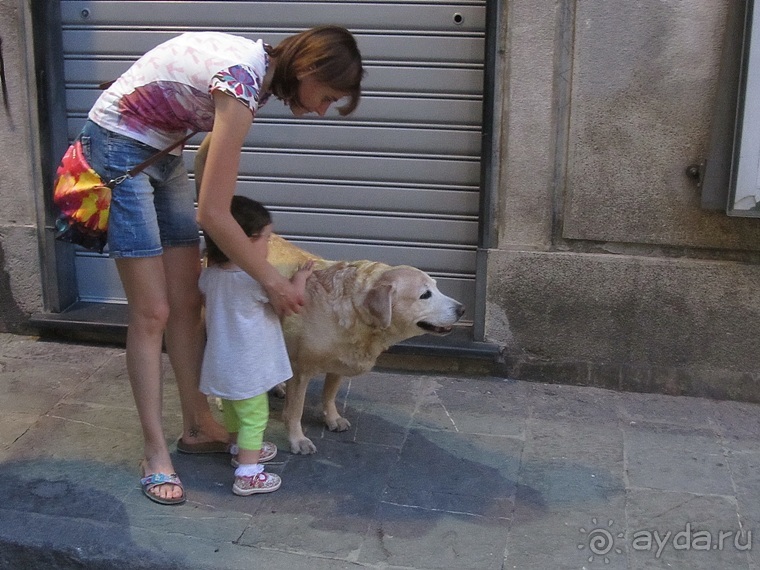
329	54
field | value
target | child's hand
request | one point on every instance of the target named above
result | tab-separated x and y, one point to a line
302	274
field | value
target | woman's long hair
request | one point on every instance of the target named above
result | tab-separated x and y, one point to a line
329	54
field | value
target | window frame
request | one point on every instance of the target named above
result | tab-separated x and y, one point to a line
745	170
725	165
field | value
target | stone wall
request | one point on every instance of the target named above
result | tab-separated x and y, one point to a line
20	274
607	271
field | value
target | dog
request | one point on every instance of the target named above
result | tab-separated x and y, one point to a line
354	311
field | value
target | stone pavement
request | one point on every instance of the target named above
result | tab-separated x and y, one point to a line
437	472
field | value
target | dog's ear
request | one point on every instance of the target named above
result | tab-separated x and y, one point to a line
378	303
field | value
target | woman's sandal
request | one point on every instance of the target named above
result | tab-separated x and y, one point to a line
156	479
203	447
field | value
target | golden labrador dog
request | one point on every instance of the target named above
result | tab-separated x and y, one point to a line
354	311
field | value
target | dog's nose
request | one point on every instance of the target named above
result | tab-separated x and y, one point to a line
460	310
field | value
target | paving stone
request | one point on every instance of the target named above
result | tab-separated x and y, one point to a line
412	537
554	401
568	534
35	350
38	387
739	425
745	471
675	459
671	410
456	473
683	530
472	406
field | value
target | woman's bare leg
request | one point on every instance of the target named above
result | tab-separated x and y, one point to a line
147	297
185	340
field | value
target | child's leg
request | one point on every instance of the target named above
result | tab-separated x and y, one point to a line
253	414
268	449
250	477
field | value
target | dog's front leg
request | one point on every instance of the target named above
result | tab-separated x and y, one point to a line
292	413
333	419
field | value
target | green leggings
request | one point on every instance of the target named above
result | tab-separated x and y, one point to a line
247	418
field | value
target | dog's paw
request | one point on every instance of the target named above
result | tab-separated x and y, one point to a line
303	447
278	391
338	424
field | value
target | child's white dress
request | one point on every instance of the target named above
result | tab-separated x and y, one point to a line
245	350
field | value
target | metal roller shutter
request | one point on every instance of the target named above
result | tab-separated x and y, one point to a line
398	181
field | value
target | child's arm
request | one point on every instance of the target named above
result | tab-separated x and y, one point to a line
301	275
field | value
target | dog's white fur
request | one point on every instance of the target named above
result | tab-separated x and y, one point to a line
354	311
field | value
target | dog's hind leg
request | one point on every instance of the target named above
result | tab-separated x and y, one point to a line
292	413
333	419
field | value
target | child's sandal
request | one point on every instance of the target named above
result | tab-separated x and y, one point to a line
262	483
268	452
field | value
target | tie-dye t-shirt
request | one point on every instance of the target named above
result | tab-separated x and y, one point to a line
168	91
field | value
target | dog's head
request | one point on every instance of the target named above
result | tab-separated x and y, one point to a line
408	301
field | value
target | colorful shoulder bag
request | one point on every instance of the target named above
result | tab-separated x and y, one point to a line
84	199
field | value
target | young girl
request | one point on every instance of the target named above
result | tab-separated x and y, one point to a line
204	81
245	352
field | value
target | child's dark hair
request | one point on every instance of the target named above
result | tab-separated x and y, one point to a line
252	217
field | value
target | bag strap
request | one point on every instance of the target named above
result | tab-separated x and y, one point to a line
146	163
150	160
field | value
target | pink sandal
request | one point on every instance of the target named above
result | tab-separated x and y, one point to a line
262	483
268	452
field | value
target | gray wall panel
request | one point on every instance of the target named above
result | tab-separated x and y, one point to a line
345	167
398	181
381	16
439	261
425	231
379	79
132	43
425	201
368	138
447	111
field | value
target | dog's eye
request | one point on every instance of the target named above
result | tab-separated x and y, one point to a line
426	295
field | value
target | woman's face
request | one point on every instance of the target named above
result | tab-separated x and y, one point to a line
314	97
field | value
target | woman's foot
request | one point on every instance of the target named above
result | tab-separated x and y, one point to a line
208	434
161	485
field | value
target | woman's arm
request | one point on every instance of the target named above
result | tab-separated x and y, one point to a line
232	121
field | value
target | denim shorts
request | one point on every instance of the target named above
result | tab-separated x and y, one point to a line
153	210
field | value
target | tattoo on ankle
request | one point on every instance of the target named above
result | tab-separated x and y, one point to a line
194	431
